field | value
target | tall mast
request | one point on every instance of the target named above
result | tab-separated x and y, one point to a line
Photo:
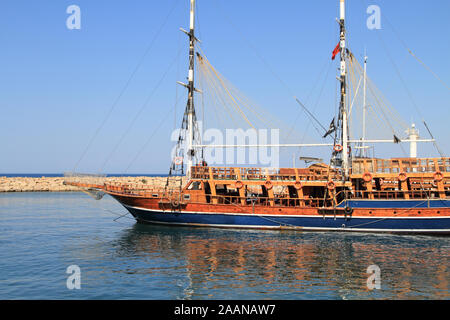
342	120
191	111
189	122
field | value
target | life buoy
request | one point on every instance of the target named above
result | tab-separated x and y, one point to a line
348	210
338	148
175	203
367	177
402	177
268	184
238	184
438	176
331	185
298	185
178	161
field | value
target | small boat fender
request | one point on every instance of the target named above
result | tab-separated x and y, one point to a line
175	203
402	177
438	176
338	148
331	185
348	210
178	161
238	184
367	177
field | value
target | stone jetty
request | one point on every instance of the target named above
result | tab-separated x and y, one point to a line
55	184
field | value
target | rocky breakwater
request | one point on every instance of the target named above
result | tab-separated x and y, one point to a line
56	184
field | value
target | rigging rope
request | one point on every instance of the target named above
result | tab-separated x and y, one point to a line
148	140
316	104
408	92
206	72
113	106
229	97
218	77
275	75
310	94
141	109
414	55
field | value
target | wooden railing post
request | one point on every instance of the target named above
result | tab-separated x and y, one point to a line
300	194
270	192
237	172
440	184
212	186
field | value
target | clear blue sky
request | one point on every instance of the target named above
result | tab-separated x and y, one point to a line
57	85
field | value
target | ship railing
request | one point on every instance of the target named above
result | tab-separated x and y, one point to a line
262	174
140	190
397	165
272	201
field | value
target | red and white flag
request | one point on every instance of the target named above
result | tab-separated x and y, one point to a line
336	51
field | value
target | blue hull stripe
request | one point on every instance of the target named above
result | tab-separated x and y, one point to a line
377	224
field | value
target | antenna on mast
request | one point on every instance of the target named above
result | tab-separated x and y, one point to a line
363	147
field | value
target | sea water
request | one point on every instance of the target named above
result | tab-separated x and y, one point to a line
44	234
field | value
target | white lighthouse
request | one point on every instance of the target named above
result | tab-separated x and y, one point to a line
413	135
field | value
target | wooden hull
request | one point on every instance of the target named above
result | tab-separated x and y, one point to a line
409	218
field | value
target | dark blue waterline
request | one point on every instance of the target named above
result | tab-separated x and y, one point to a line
338	223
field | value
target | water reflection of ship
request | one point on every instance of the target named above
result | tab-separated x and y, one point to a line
296	263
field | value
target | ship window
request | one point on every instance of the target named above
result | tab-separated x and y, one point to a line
155	195
186	196
196	185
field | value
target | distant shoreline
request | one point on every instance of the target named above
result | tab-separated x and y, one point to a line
60	175
56	184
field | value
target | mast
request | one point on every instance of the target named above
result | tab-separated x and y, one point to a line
189	119
190	108
342	127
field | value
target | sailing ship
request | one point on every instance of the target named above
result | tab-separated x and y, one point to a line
359	194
